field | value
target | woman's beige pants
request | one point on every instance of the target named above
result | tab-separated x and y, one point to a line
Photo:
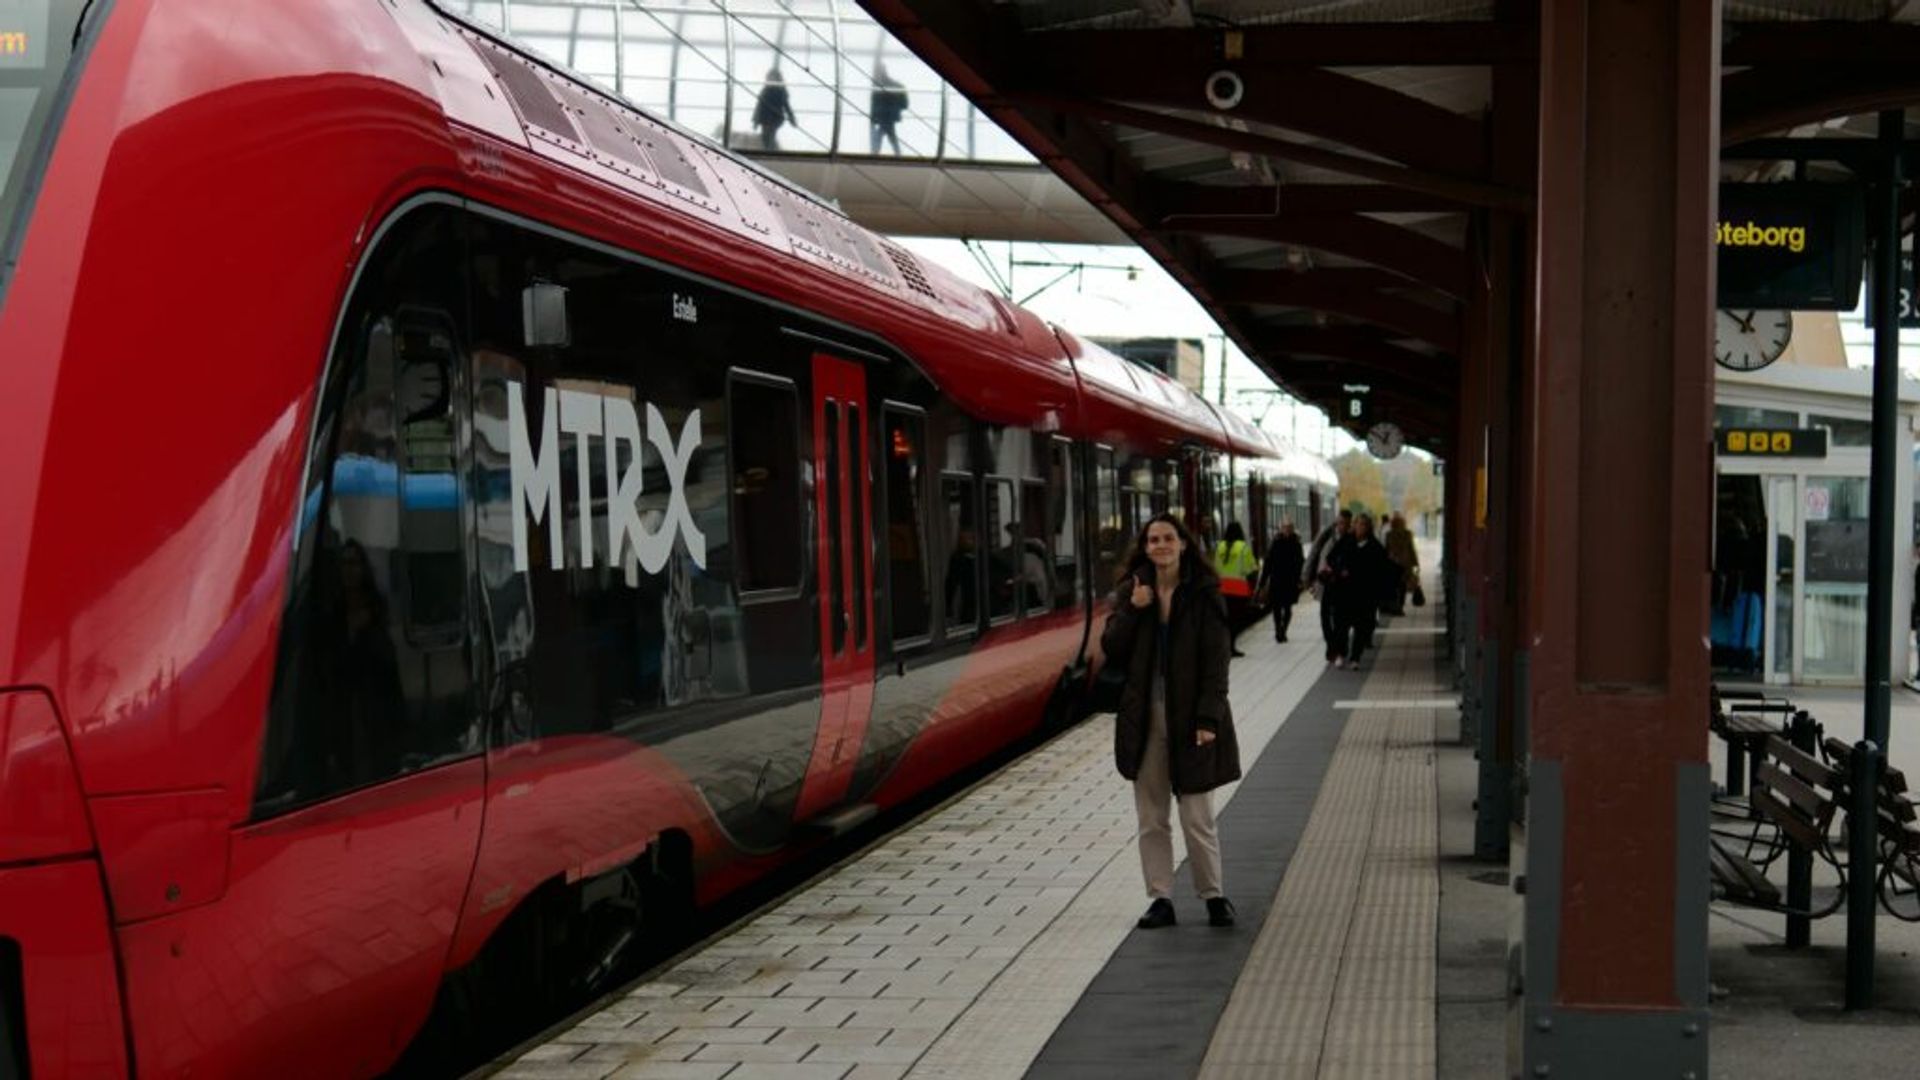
1151	791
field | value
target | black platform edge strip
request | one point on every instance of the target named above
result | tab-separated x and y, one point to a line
1150	1013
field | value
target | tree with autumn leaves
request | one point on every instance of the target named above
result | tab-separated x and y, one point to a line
1406	485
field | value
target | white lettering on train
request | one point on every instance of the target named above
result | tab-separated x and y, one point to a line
536	477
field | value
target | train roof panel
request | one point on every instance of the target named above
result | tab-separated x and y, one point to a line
578	125
1112	377
1246	436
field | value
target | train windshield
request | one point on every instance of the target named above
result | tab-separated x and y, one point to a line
36	51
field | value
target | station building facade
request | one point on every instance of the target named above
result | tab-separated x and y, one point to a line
1790	532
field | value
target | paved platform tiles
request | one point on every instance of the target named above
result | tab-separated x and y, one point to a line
959	947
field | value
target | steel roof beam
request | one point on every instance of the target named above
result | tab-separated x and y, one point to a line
1446	185
1170	70
1306	289
1177	199
1763	100
1802	44
954	37
1412	255
1385	44
1358	345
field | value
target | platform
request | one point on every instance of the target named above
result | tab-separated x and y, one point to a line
994	937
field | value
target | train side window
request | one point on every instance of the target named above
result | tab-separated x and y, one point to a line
836	577
960	538
1033	563
905	448
1012	451
432	537
862	537
1138	484
1003	558
765	458
617	597
1069	519
1110	533
373	680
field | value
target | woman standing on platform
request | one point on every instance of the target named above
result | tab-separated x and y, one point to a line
1173	736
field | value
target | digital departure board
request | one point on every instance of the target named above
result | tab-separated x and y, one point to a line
1790	246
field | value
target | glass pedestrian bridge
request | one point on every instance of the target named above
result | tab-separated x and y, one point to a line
718	67
814	90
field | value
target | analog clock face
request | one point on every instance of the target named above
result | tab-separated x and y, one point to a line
1750	340
1384	441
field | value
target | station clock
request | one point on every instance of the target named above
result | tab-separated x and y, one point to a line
1750	340
1385	440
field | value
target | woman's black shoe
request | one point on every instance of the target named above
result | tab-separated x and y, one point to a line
1159	914
1219	912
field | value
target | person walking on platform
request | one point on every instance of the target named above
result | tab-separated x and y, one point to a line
1233	558
1361	567
1173	734
1319	576
773	109
1399	544
1280	578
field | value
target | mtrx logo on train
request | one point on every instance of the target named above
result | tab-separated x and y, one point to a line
585	415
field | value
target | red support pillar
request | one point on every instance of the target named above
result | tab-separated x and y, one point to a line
1501	244
1615	844
1469	466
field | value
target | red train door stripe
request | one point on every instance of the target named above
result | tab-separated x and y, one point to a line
843	491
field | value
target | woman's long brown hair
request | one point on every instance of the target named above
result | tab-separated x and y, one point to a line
1194	566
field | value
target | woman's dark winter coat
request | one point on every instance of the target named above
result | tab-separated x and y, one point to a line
1198	647
1281	572
1363	572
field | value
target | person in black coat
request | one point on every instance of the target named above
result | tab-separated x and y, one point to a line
1327	585
1280	577
1363	570
1173	735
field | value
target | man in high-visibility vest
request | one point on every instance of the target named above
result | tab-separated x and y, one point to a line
1233	559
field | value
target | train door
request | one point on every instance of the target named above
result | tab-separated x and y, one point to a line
843	492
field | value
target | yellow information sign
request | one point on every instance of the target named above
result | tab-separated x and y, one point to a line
1772	442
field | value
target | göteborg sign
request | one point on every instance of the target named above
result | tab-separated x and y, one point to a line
1790	246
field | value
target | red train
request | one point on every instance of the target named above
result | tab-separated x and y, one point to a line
449	519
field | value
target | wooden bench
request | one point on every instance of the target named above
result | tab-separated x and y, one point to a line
1793	801
1745	719
1898	822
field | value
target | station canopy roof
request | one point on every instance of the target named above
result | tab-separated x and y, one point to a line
1310	169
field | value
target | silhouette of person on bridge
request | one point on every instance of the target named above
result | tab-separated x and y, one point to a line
889	103
773	109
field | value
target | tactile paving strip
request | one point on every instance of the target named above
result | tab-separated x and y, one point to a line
1341	980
